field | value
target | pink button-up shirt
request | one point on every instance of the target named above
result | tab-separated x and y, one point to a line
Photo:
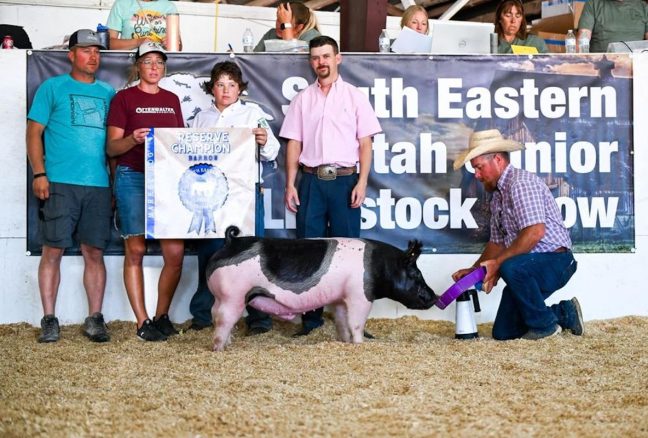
329	126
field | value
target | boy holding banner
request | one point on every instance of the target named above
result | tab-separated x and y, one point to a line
228	110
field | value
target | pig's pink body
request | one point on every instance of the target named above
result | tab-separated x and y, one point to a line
340	285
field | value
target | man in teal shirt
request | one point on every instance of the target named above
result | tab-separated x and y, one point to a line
608	21
66	137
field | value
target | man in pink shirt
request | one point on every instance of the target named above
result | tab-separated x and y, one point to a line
329	126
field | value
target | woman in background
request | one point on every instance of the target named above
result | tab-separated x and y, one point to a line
294	21
228	110
132	112
134	22
416	18
511	28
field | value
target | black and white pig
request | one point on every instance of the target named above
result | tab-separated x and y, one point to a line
286	277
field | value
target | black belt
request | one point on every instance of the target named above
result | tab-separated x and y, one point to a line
562	249
329	171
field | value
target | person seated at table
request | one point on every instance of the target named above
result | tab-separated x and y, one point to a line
416	18
294	21
608	21
511	28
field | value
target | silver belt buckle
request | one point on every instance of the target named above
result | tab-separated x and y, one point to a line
326	172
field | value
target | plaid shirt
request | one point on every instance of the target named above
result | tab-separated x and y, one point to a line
521	200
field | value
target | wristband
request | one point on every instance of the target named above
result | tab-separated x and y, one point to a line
38	175
284	26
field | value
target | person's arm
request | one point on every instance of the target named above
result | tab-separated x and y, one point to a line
586	21
36	155
117	43
360	190
525	241
586	33
293	151
285	16
265	138
491	251
270	147
117	144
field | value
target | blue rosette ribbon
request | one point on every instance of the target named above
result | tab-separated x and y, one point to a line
203	189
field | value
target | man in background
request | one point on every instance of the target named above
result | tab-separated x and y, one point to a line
608	21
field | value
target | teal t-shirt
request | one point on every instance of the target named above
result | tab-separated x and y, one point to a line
613	20
74	115
133	21
531	41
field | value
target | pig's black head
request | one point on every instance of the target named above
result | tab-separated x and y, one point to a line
402	280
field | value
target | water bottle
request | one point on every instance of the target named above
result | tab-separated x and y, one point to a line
104	37
570	42
583	44
383	42
248	41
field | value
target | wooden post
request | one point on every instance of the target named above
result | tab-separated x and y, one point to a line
361	22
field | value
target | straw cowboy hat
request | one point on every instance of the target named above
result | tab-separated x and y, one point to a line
486	142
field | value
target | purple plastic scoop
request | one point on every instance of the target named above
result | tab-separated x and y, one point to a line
460	287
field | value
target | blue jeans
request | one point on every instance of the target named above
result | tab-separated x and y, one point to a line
203	300
325	209
530	279
129	196
325	212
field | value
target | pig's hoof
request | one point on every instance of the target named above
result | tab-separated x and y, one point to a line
368	335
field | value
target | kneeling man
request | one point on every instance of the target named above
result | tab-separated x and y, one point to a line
529	246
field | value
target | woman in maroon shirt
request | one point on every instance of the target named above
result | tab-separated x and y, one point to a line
133	112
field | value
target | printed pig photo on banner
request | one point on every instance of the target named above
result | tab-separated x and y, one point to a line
287	277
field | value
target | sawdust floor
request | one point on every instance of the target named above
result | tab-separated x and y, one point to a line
413	380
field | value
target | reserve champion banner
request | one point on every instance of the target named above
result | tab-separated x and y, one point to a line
199	181
573	113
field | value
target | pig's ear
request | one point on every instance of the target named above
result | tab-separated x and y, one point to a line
413	251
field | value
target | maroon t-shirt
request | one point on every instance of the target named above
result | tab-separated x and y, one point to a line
132	109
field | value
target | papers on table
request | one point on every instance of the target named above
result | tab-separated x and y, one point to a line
410	41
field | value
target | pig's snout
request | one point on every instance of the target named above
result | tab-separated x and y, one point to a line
427	297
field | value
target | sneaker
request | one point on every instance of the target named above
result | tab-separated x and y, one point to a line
534	335
50	331
148	332
95	328
578	327
164	326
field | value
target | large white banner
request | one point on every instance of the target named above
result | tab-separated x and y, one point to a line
574	114
199	181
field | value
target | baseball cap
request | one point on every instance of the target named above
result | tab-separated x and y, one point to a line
149	47
85	38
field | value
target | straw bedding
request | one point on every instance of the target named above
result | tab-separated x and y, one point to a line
413	380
